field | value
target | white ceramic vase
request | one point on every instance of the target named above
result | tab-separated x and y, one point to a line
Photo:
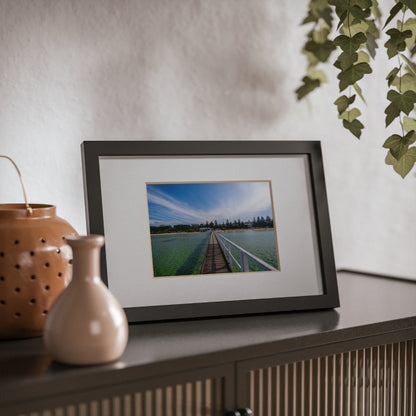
86	324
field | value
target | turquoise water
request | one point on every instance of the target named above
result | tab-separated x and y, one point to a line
178	254
183	254
261	243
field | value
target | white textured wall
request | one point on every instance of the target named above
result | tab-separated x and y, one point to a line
74	70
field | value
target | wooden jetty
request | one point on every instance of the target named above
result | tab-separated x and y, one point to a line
215	261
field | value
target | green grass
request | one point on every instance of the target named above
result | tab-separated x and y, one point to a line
178	254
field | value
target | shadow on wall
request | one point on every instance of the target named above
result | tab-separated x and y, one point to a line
192	70
139	68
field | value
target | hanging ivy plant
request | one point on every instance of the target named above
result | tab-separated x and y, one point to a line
358	29
318	47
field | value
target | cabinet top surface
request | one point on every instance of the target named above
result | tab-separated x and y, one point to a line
370	306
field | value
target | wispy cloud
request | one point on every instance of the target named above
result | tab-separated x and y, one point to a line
240	200
247	200
178	210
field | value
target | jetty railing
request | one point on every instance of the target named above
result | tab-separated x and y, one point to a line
245	255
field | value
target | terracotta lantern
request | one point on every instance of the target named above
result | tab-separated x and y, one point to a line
35	265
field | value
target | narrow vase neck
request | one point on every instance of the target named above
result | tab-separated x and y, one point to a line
86	256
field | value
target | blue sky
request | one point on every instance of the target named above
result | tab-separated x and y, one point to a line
196	203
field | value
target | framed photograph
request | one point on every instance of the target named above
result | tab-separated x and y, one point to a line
211	228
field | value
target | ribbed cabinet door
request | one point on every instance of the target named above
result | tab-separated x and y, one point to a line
375	381
205	392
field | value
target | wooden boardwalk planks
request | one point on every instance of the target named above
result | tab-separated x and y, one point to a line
214	261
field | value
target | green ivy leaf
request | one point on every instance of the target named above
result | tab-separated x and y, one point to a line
322	51
404	102
359	13
355	28
312	59
410	24
390	160
343	103
391	113
375	10
310	18
326	15
410	64
318	9
359	9
372	34
393	12
359	92
364	4
308	86
371	45
355	127
411	4
342	18
341	7
399	102
392	75
397	41
317	74
363	57
345	60
350	45
410	137
373	29
405	83
398	145
350	115
353	74
320	36
409	124
405	164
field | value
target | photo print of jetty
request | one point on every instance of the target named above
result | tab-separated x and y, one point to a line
212	227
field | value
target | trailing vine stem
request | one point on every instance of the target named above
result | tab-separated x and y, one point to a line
318	47
348	19
401	155
400	86
349	32
353	62
400	69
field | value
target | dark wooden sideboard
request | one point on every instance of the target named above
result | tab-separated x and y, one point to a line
358	359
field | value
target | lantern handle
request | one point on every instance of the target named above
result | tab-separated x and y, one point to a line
28	207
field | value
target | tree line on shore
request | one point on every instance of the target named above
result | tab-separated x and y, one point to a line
259	222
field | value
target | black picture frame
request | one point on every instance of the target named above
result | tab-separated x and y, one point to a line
94	151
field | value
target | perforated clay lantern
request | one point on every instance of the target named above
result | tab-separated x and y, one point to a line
35	265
